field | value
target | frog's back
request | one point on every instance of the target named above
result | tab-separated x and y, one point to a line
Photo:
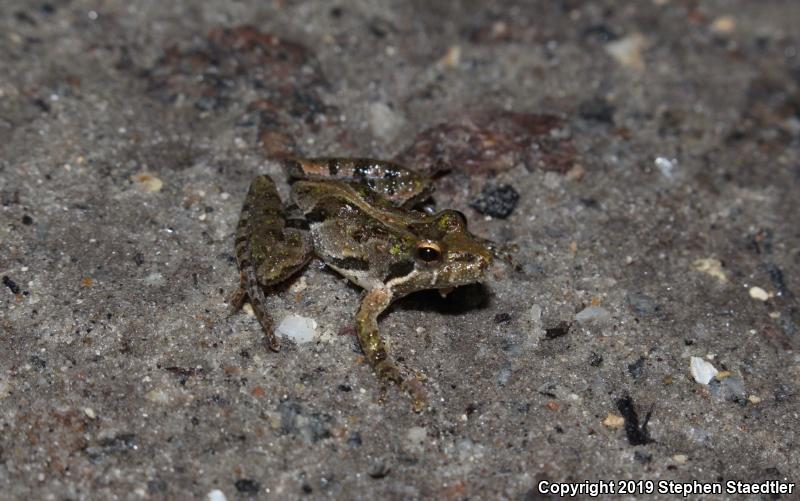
355	231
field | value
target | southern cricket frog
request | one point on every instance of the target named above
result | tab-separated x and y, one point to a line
358	216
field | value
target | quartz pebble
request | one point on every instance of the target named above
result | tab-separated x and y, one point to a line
702	372
297	328
758	293
216	495
593	315
628	51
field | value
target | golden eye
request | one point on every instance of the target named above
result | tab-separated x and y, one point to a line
429	252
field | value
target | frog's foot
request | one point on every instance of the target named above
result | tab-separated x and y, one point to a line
387	371
503	252
419	399
237	301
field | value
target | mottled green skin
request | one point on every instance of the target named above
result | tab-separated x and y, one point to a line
266	251
363	232
392	182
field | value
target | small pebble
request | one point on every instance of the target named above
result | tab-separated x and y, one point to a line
702	372
666	166
628	51
680	458
723	25
216	495
297	328
147	182
593	315
754	399
247	486
452	58
614	421
758	293
379	470
712	267
597	109
90	413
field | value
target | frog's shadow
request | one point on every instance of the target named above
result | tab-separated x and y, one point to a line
462	300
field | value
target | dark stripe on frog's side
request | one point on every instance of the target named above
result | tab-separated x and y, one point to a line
399	269
333	167
349	263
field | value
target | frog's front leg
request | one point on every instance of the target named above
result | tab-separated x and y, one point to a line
373	304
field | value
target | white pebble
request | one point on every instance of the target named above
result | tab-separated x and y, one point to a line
299	329
702	372
628	51
758	293
666	166
593	315
216	495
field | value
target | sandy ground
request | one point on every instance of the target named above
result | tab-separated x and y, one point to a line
641	158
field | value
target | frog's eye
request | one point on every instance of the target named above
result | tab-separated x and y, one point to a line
429	252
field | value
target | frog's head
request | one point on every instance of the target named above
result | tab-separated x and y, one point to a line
445	254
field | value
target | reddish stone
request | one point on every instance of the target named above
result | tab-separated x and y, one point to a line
492	142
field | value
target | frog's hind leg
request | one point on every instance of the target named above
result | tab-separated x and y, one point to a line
267	252
374	349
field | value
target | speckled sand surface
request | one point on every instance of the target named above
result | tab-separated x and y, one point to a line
646	155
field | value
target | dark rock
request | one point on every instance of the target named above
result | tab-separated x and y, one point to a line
496	201
247	486
12	285
636	369
502	318
559	330
379	470
597	109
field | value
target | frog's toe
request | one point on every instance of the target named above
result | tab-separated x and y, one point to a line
237	300
273	342
388	372
419	399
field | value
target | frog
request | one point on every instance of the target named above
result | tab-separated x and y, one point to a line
362	218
